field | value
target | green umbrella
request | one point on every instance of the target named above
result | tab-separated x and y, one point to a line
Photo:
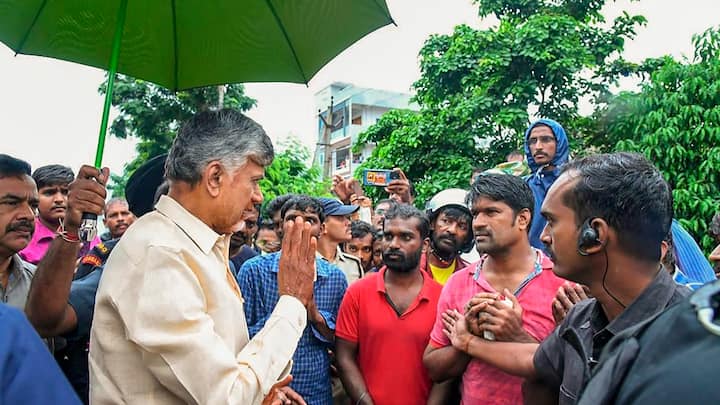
181	44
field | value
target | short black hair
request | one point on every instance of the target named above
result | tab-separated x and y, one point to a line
629	193
303	203
505	188
52	175
13	167
407	211
360	229
276	204
265	223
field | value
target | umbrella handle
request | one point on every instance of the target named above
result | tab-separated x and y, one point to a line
88	227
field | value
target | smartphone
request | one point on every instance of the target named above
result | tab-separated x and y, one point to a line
379	177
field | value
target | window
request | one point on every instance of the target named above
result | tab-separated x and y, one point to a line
342	159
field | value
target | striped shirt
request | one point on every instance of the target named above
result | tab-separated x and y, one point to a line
311	363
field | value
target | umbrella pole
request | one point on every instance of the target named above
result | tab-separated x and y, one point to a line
119	26
88	226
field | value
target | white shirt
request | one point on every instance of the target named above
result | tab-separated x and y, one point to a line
169	325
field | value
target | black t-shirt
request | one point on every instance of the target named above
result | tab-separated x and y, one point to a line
671	359
565	359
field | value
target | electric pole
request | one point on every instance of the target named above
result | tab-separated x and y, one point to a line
327	130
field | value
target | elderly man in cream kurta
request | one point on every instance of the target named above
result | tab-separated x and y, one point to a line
169	325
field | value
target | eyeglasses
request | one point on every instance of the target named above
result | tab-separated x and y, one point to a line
541	139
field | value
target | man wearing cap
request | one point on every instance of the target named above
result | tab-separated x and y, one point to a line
450	234
335	231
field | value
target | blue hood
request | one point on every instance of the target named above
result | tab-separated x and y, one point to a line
541	180
562	150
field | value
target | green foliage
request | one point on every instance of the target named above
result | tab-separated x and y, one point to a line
675	121
153	115
477	87
289	173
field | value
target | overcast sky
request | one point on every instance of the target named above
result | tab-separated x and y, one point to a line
50	110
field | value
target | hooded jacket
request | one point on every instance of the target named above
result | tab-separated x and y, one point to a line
540	180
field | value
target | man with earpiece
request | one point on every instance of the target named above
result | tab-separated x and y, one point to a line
607	216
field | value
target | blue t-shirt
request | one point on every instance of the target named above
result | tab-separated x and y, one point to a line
28	373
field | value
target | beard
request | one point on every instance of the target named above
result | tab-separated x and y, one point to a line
446	250
397	261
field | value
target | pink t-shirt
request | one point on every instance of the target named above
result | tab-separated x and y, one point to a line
481	382
40	243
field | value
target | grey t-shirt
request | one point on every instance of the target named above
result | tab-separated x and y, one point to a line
564	360
18	285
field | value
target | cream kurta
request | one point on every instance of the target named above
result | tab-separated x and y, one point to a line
169	325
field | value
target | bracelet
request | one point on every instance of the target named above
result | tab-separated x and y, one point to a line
67	237
361	398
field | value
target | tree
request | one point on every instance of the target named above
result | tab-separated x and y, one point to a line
289	173
675	121
477	87
153	115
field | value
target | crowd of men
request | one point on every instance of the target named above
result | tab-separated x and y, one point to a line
550	280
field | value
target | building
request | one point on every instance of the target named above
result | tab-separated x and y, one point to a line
355	109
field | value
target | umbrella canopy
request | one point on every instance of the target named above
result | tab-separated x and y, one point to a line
181	44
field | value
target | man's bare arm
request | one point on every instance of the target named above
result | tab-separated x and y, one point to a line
512	358
444	363
440	393
350	374
47	307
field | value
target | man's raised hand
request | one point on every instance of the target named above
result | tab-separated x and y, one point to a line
296	273
86	194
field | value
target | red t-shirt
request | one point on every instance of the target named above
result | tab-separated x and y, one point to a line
390	347
481	382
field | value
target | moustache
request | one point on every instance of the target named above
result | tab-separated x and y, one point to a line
22	226
397	253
